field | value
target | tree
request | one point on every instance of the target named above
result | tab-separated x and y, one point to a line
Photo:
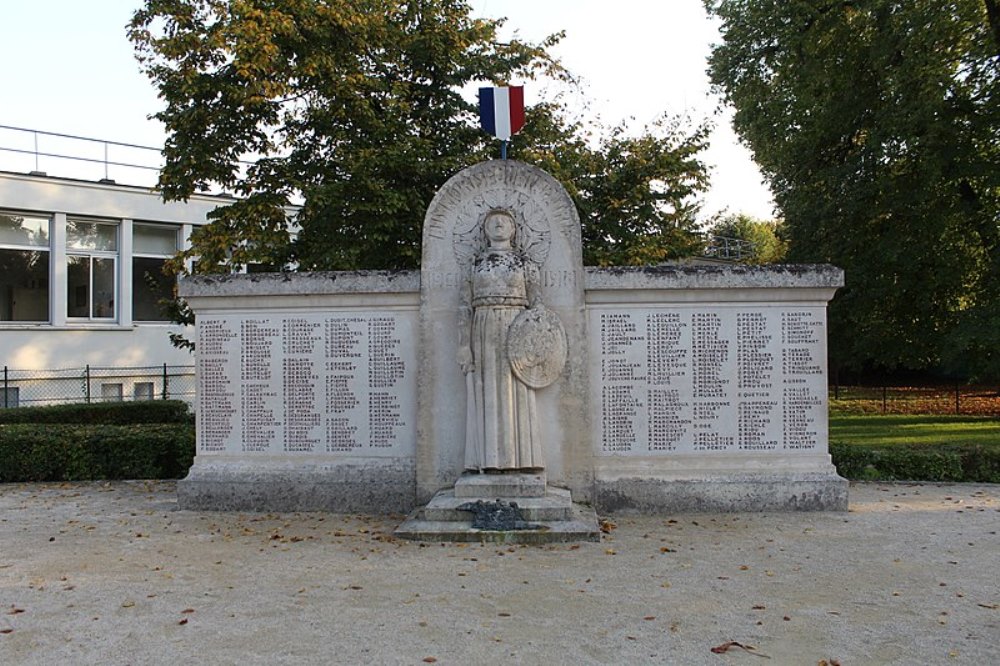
765	236
356	107
875	121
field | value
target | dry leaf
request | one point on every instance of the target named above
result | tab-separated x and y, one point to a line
183	620
649	617
725	647
430	660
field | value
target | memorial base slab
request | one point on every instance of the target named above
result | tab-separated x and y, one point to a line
551	509
385	488
722	494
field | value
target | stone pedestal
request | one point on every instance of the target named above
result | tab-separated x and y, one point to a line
551	511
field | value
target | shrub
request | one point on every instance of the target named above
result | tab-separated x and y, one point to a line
75	452
111	413
917	463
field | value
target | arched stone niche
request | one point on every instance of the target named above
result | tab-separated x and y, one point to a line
548	233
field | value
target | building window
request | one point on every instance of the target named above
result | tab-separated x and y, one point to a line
152	245
111	392
142	391
91	271
24	268
10	397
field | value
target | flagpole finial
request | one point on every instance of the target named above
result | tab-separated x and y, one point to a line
503	150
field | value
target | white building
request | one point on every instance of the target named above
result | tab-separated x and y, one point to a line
80	282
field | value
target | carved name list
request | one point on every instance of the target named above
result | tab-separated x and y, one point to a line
331	383
724	379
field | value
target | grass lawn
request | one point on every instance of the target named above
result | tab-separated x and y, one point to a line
916	447
892	429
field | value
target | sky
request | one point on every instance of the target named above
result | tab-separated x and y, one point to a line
68	68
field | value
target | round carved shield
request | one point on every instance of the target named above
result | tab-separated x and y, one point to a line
537	347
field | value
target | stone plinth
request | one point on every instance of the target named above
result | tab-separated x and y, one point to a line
551	510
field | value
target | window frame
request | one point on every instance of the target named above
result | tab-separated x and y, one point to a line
47	247
91	254
137	254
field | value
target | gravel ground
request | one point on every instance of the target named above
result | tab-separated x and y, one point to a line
114	574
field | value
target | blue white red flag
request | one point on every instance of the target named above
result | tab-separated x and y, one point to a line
501	111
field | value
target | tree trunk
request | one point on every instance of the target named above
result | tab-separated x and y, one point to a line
993	15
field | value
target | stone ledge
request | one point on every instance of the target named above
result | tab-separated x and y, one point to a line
735	276
254	285
371	489
792	492
581	527
555	505
491	486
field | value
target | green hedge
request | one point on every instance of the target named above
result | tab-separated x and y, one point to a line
75	452
972	463
117	413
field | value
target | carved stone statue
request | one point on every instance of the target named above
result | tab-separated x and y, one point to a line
503	285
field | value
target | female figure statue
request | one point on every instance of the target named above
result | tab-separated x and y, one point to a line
502	423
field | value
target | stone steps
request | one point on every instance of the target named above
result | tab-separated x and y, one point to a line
550	511
555	505
582	526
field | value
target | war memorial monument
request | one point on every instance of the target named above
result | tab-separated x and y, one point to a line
505	373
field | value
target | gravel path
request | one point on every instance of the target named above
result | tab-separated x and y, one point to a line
114	574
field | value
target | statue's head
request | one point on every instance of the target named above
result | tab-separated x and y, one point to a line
499	226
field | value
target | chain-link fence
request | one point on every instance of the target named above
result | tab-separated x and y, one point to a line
24	388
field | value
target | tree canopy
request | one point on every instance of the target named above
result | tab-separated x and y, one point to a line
765	236
876	123
361	110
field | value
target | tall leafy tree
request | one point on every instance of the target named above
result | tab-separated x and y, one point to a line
766	237
876	123
358	108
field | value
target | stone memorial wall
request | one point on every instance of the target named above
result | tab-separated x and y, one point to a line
669	388
307	391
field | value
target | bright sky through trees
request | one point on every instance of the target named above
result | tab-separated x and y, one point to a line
68	68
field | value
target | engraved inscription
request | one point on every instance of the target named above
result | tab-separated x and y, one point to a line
710	379
309	383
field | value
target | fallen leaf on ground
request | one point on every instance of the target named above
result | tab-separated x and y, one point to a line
728	645
430	660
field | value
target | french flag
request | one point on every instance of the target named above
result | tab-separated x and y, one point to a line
501	111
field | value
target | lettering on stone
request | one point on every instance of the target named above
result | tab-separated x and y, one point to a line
708	379
316	383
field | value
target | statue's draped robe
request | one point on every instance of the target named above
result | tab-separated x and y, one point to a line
502	423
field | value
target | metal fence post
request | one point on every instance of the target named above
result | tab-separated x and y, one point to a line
883	399
957	405
6	389
164	381
87	372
